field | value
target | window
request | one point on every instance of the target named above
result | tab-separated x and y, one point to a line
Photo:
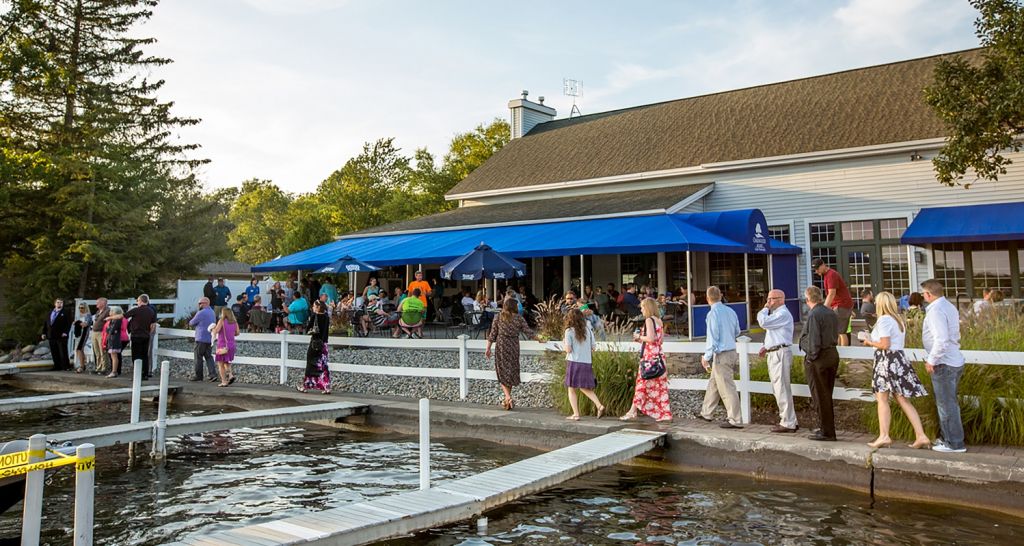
828	255
990	264
780	233
950	268
727	274
859	231
823	233
895	269
893	228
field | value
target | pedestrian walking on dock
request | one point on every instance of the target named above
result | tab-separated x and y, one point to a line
821	361
83	328
203	322
777	322
579	363
55	331
893	374
650	396
100	357
225	332
945	363
721	359
114	339
504	335
318	374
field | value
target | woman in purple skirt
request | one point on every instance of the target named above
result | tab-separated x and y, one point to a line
579	368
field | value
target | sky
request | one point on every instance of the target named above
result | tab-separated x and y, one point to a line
288	90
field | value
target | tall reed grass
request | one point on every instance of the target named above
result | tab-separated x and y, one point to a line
616	376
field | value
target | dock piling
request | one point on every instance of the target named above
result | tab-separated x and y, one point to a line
424	443
85	485
32	514
743	346
136	389
463	367
284	357
160	427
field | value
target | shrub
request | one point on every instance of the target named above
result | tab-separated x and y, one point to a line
616	375
550	319
990	396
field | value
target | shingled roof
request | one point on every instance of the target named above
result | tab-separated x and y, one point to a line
867	106
621	202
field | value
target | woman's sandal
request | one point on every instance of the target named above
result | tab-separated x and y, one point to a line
506	404
600	412
328	391
232	380
920	445
222	384
573	418
628	417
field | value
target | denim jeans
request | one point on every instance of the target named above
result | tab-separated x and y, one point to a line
944	383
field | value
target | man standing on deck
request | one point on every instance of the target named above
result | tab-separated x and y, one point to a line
777	322
203	352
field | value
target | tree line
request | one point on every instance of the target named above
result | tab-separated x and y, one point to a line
100	197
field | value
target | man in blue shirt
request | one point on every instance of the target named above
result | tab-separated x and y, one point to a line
252	291
721	359
223	297
202	321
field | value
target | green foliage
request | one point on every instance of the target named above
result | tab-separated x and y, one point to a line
258	216
991	404
304	225
101	194
982	105
469	150
616	377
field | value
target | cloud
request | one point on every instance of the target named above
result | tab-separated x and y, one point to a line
296	7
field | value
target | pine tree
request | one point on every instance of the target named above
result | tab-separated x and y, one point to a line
111	204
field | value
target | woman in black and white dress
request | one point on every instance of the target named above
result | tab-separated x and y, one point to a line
893	373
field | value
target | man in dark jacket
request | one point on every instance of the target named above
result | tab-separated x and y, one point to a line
55	330
208	291
821	361
141	325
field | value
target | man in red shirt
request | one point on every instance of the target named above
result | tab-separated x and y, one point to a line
837	297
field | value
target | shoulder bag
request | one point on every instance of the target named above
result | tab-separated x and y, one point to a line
651	368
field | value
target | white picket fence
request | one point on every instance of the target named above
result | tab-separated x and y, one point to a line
463	345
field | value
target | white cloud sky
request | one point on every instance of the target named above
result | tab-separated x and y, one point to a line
290	89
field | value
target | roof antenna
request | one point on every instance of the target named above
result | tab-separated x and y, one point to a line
574	89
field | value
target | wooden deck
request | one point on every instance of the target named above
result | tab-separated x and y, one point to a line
447	502
8	369
69	398
139	432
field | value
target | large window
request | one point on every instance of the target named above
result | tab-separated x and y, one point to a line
950	269
726	272
866	253
990	264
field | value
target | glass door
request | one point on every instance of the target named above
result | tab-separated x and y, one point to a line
861	270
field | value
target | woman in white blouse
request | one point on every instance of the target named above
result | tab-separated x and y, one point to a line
893	373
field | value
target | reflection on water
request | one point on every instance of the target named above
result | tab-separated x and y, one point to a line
215	481
639	506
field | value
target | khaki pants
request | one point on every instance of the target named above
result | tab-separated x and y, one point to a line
722	387
101	359
780	365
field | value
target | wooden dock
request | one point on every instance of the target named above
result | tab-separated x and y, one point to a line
8	369
446	503
69	398
140	432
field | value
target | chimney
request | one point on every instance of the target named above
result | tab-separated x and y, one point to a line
526	114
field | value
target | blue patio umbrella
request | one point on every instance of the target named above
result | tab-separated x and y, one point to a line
482	262
347	264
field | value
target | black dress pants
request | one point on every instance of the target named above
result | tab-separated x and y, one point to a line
140	351
59	353
821	379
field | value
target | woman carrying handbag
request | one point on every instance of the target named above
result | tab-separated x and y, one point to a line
650	395
317	375
225	332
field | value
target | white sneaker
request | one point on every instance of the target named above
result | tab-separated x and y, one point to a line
943	448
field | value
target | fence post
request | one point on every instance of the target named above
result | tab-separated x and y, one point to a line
463	367
284	357
160	427
424	443
33	510
153	346
743	346
85	485
136	389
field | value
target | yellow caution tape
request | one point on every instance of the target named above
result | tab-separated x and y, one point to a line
17	458
83	464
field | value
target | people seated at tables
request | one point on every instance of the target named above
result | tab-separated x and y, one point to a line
467	299
412	312
630	302
376	315
298	313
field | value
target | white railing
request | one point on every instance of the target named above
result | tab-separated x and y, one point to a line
463	345
128	303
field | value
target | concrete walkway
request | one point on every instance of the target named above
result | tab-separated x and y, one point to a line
986	476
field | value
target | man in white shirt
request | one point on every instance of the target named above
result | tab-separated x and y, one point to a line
945	362
777	322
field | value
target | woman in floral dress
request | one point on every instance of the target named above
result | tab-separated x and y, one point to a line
318	374
893	375
650	396
504	335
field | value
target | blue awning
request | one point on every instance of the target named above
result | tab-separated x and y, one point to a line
966	224
627	235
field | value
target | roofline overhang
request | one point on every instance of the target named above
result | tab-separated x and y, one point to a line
722	166
685	202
